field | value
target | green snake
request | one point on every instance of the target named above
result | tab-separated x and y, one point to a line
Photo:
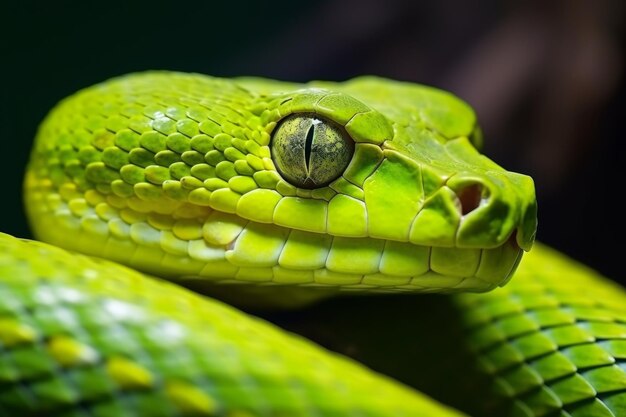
271	193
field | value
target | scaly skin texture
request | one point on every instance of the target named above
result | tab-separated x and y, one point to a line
172	174
175	174
80	337
552	342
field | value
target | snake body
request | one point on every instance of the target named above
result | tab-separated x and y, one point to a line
274	192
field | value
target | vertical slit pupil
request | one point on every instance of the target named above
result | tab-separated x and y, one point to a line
308	143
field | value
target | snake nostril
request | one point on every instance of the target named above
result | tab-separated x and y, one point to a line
470	197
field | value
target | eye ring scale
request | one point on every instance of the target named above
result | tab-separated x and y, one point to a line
310	151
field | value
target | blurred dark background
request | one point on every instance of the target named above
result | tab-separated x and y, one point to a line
546	79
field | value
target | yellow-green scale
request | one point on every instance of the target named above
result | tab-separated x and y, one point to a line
91	338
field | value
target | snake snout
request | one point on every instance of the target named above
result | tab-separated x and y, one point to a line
491	210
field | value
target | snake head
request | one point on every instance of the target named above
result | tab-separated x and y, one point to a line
368	185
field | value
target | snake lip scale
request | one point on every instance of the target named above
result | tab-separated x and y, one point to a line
268	193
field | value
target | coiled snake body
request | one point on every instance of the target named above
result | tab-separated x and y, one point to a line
275	193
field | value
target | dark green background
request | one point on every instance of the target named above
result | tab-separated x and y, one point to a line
51	49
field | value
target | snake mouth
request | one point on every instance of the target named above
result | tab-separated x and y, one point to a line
512	256
453	269
489	257
512	242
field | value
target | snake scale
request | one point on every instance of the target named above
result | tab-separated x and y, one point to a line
272	193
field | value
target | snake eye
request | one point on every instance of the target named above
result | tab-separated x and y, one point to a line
310	151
